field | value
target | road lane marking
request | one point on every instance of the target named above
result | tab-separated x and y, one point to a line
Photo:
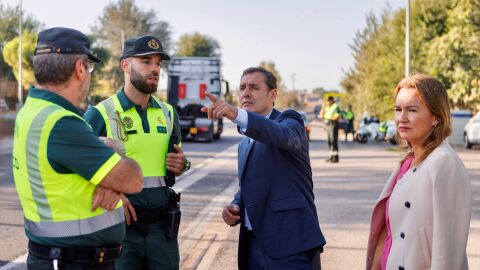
17	264
203	169
183	182
207	222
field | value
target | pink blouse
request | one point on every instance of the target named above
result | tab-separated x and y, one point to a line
388	241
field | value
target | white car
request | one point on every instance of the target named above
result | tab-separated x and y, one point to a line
471	132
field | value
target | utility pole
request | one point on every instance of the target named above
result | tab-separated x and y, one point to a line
20	91
407	39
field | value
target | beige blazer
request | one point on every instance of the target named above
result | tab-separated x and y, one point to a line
430	211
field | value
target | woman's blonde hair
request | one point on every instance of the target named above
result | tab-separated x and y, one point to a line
433	95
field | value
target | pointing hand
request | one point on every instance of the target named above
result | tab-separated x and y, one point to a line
219	108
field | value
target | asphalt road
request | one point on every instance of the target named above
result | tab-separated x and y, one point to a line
207	182
345	194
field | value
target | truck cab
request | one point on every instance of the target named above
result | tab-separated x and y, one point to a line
189	79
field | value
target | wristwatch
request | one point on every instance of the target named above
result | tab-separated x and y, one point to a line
187	165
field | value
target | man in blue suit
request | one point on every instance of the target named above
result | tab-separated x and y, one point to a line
275	204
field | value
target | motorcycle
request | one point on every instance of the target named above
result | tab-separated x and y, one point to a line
370	129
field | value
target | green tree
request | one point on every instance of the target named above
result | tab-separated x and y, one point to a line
123	16
196	44
284	99
379	51
9	30
10	54
455	54
270	66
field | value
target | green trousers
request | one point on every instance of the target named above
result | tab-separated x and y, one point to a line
332	132
152	251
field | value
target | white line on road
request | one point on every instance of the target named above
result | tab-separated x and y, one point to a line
17	264
183	183
189	178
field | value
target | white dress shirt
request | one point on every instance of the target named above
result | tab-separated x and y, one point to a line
242	123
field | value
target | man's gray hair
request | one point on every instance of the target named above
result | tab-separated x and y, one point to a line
55	68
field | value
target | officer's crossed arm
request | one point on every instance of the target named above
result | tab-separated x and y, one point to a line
125	177
74	148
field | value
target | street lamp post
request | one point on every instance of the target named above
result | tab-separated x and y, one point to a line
407	39
20	91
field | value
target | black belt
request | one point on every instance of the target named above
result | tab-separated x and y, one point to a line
87	255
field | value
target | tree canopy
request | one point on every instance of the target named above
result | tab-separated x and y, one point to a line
444	43
196	44
127	18
285	99
10	54
9	30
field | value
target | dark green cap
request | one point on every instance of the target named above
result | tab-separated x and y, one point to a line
143	45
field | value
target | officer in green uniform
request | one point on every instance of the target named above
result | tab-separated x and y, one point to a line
350	116
331	114
68	181
143	126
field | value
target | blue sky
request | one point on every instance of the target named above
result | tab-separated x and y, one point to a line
307	37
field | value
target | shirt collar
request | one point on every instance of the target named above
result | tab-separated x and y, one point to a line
126	103
268	115
53	97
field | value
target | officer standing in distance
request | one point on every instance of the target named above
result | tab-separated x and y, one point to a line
349	115
143	127
331	115
68	181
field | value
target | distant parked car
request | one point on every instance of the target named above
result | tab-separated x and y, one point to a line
471	132
306	123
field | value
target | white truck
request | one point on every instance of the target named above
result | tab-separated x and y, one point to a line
189	79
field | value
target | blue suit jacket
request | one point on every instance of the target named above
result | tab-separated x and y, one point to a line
276	185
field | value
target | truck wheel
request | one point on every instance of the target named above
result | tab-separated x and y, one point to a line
361	138
219	130
210	134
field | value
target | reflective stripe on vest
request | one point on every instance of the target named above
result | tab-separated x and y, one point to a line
111	109
75	227
54	204
36	183
115	122
153	181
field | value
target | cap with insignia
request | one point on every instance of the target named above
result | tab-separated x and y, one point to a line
64	40
143	45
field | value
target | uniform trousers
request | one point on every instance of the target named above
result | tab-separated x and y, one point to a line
152	251
332	127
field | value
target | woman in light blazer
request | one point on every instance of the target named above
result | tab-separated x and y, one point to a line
422	217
